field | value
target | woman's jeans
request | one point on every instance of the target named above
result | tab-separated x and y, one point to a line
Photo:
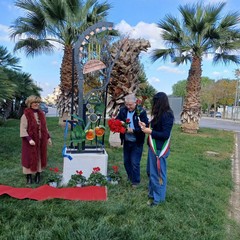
157	184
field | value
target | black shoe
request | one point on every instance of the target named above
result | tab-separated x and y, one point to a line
37	178
29	178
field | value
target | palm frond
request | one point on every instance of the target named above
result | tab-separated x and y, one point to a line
34	47
226	58
8	60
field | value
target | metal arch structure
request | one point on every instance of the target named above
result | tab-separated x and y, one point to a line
84	39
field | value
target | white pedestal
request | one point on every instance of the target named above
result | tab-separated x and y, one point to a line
114	140
84	162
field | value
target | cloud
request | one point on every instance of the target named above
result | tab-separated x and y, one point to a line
171	70
4	33
222	73
148	31
55	62
153	80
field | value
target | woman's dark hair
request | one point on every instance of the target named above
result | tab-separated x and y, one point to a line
160	105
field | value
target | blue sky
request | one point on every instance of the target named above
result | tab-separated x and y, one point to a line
134	18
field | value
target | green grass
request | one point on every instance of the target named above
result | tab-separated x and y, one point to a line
196	208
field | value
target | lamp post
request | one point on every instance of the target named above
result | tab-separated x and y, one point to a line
237	95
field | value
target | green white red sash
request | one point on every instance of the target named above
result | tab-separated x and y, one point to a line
164	150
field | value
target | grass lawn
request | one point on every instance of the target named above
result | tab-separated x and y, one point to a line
196	208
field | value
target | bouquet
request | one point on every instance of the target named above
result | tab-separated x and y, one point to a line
116	126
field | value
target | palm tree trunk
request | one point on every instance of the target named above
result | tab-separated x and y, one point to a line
64	101
191	113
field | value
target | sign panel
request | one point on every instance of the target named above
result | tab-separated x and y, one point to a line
93	65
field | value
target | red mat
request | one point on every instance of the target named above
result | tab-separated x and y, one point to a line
91	193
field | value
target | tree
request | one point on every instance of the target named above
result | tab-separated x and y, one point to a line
145	91
22	86
125	73
179	89
56	21
201	32
226	93
7	60
7	87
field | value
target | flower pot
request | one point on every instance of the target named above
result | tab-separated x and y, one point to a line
53	184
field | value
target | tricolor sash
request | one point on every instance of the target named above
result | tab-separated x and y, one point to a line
164	150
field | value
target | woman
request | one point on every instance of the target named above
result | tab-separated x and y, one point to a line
35	137
159	133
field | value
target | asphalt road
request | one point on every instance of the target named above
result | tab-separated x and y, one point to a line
52	112
218	123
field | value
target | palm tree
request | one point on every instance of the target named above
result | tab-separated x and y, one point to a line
7	87
21	86
7	60
125	73
201	32
49	22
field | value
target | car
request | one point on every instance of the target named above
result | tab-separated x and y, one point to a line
43	106
218	115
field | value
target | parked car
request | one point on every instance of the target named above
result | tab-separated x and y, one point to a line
218	115
43	106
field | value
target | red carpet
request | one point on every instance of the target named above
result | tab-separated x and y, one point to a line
92	193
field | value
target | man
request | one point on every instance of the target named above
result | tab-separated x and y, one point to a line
133	138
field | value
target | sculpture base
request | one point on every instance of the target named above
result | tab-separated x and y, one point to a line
84	162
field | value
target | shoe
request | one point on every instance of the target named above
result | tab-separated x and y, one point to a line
37	178
153	204
150	202
29	178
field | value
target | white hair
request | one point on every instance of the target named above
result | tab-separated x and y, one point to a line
130	98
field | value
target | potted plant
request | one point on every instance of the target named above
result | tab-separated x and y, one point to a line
77	179
114	175
96	178
54	177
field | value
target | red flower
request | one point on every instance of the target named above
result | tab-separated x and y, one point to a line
96	169
115	168
139	102
79	172
56	170
115	125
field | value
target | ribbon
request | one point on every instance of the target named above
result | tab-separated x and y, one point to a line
164	150
64	153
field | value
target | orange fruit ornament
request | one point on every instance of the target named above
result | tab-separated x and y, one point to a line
99	130
90	134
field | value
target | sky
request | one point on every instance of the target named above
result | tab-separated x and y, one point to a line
134	18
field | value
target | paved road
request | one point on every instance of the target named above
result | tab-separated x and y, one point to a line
52	112
217	123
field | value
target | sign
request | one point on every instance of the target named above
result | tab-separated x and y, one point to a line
93	65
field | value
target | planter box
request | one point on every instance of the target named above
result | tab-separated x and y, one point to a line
84	162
